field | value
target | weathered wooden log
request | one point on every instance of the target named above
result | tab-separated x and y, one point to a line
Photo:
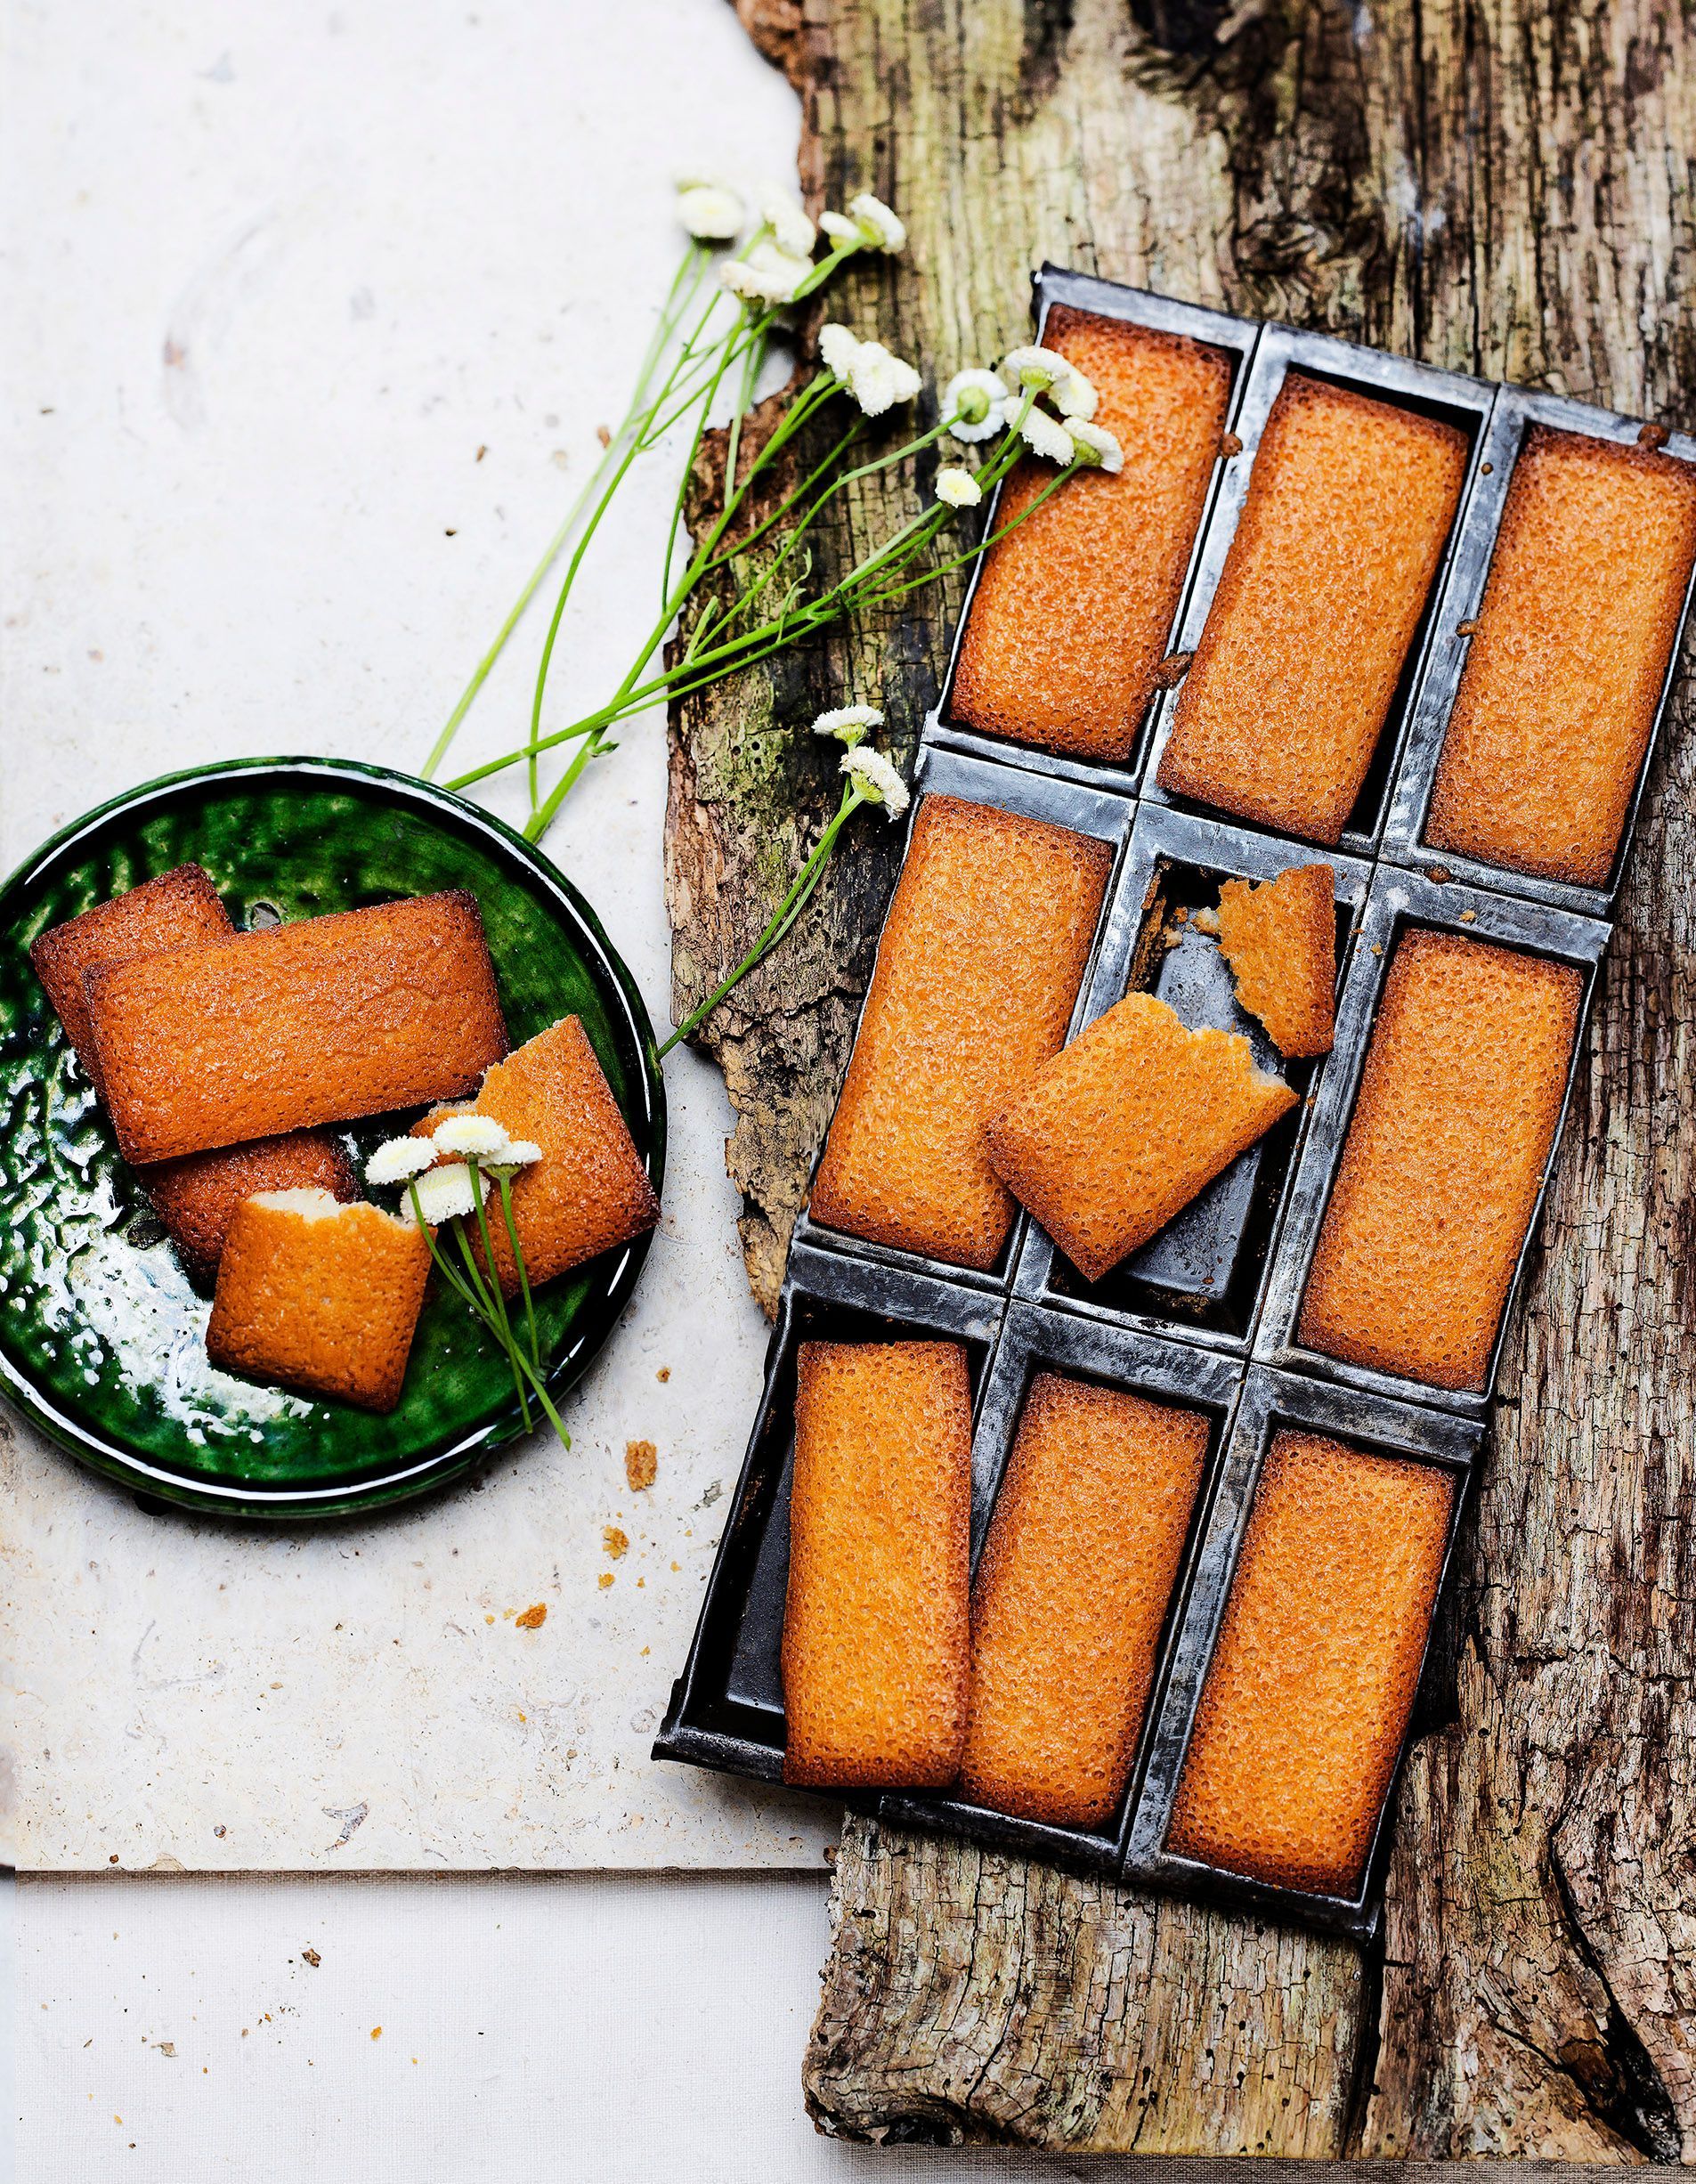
1508	189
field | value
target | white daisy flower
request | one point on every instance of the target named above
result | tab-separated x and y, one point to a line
877	780
398	1160
766	275
850	724
711	211
1076	396
520	1153
977	402
1096	446
1046	437
882	229
445	1194
791	228
837	348
479	1136
879	379
842	230
958	489
1034	368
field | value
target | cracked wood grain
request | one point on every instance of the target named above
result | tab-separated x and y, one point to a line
1506	187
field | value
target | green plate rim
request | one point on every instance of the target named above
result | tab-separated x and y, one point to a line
107	1454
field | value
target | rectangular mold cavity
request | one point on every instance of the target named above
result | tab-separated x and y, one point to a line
1108	299
1034	796
1462	596
1457	400
1166	1372
1200	1280
1399	900
726	1709
1271	1400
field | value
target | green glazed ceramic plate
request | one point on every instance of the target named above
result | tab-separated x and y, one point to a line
101	1335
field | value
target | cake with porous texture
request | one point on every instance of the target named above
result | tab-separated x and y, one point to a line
1117	1133
194	1198
319	1296
1070	1597
1349	508
1564	671
590	1190
1071	615
315	1021
876	1623
1460	1101
979	969
1279	937
1313	1679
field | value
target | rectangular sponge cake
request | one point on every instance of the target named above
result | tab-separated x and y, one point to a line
1564	673
193	1197
876	1625
1116	1134
319	1296
1071	614
1460	1097
979	966
1311	1684
1349	507
315	1021
1071	1594
589	1190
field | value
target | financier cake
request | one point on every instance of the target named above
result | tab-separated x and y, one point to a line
1314	1676
979	966
1564	673
1072	611
319	1296
194	1198
1350	504
1460	1097
589	1190
1113	1137
1280	939
315	1021
876	1625
1070	1596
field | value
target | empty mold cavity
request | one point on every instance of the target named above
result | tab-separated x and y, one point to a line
1205	1268
726	1710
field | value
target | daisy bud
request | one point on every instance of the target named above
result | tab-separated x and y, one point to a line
478	1136
445	1194
850	724
877	781
882	229
766	275
1095	446
958	489
711	211
837	349
791	229
1045	436
398	1160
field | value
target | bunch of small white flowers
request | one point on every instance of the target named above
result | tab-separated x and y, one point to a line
776	265
875	376
446	1178
1063	433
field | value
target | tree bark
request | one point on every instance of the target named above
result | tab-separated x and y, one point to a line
1506	187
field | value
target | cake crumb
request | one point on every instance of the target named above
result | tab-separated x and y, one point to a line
1171	671
312	1957
605	1580
1467	916
616	1541
1653	436
1439	875
1466	628
641	1465
664	1373
1229	445
533	1618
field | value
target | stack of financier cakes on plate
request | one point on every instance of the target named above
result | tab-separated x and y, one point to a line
1028	1688
223	1057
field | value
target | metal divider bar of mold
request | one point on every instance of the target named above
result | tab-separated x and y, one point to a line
1399	899
1032	795
726	1708
1166	1372
1271	1400
1462	596
1369	371
1106	299
1214	1222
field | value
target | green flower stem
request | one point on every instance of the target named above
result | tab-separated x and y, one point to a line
782	920
503	1177
684	283
494	1311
